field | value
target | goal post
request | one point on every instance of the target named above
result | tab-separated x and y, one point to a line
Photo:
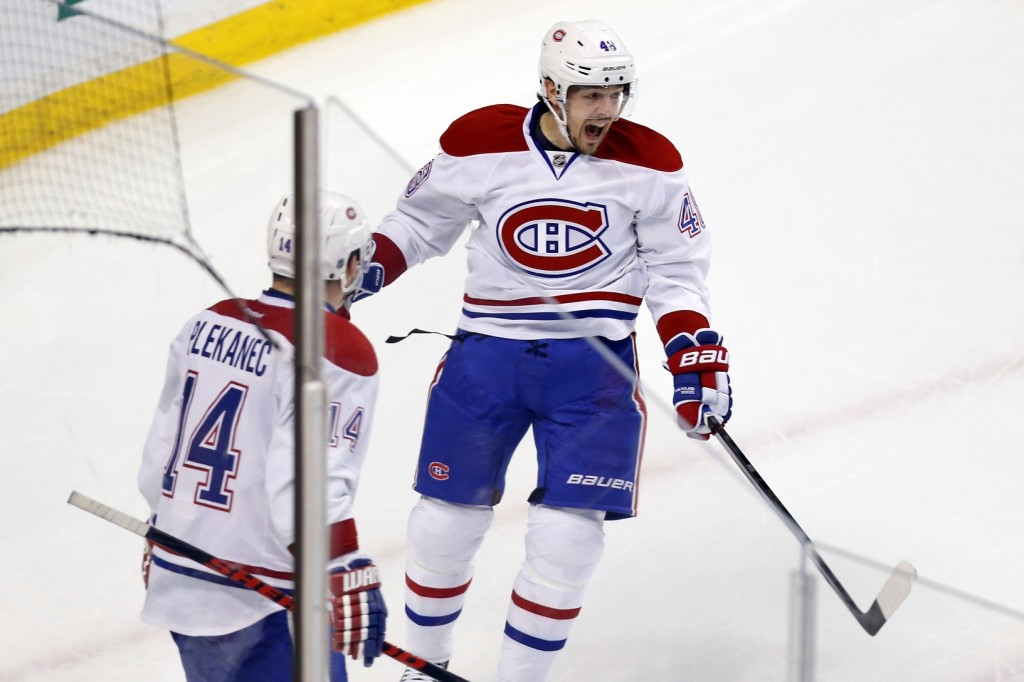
311	409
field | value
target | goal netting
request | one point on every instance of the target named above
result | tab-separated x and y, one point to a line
89	139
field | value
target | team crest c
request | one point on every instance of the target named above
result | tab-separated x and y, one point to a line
554	237
438	471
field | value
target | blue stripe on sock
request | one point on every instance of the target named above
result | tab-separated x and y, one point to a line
533	642
431	620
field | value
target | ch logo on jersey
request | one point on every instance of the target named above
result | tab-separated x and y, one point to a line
438	471
554	237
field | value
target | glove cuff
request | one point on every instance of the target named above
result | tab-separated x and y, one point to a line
353	573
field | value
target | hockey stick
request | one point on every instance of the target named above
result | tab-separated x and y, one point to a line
232	572
895	589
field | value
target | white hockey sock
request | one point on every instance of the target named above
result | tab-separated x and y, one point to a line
563	548
443	538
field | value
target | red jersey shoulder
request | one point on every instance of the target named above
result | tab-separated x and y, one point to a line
638	145
231	307
257	313
347	347
246	310
490	130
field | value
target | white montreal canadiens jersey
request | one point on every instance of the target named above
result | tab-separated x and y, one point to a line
566	245
218	465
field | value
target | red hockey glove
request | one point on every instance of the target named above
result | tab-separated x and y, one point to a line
358	613
700	369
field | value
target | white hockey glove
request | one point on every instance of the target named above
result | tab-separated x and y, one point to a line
700	370
358	613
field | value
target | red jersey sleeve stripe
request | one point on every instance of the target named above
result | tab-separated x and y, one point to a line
679	322
387	253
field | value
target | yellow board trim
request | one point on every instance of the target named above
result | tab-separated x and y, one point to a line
240	39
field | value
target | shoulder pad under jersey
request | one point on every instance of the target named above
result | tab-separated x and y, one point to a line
638	145
490	130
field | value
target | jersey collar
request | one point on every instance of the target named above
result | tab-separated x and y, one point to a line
558	160
282	300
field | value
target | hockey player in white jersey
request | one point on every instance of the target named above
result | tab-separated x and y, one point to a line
581	217
218	466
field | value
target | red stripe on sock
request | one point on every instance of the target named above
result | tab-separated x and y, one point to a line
436	592
545	611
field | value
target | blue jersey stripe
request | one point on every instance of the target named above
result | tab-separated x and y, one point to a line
576	314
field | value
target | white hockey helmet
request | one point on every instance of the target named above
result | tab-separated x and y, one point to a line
585	53
343	230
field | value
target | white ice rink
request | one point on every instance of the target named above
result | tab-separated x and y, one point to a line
861	166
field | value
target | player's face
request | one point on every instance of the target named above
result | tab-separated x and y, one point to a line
589	114
352	269
353	274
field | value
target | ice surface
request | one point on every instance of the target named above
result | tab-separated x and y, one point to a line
860	165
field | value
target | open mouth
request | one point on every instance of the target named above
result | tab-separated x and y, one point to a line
594	131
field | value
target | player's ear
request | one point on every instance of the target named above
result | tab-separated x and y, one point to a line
549	88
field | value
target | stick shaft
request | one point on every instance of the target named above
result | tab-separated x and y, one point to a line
231	571
896	588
